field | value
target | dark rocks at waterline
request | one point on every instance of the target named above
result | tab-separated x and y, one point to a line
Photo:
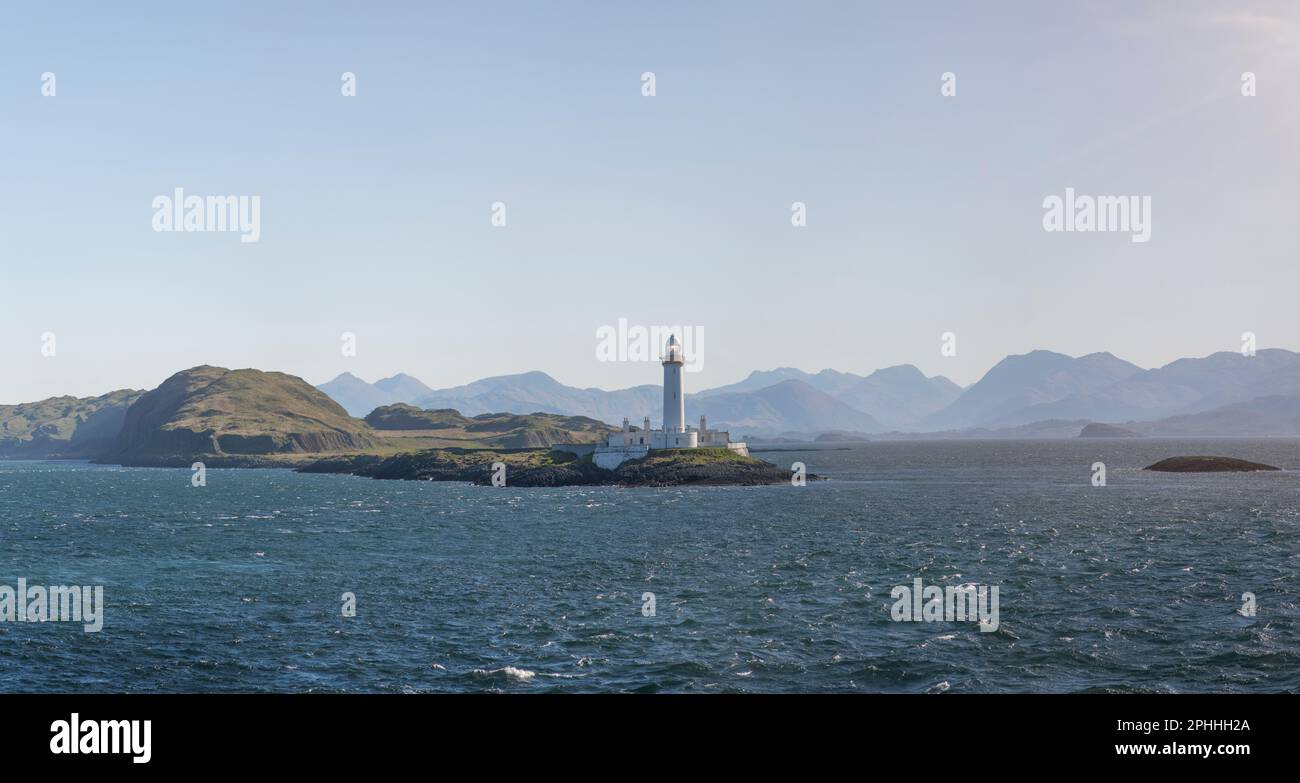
431	465
1202	464
674	474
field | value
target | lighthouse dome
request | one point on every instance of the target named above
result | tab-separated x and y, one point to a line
673	350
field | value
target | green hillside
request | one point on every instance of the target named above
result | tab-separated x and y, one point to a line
250	418
401	416
214	411
66	427
447	427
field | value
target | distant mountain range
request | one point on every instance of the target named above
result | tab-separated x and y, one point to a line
231	414
1182	387
782	400
902	396
359	398
1017	385
1028	389
894	398
788	406
1277	416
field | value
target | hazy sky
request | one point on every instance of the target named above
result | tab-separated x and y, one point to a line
924	212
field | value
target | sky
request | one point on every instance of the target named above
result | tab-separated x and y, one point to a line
924	211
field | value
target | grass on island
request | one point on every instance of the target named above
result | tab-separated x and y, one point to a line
534	458
405	427
515	458
457	457
693	457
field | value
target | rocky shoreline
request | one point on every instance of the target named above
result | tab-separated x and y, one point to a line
225	461
531	468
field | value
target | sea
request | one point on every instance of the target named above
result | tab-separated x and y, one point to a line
275	581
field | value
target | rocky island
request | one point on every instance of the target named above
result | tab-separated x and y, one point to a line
1207	465
253	419
556	468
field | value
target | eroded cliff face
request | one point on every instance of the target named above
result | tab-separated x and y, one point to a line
64	427
214	411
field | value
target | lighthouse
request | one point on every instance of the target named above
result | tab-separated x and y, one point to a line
674	399
632	444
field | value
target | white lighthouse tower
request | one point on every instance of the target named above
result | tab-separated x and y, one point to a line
674	398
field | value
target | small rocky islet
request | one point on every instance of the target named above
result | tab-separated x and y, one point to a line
1207	464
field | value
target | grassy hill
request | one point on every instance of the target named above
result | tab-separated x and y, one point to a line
63	427
446	427
214	411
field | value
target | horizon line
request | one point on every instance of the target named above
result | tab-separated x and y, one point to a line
626	388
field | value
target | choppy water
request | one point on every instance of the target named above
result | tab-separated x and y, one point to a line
237	586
